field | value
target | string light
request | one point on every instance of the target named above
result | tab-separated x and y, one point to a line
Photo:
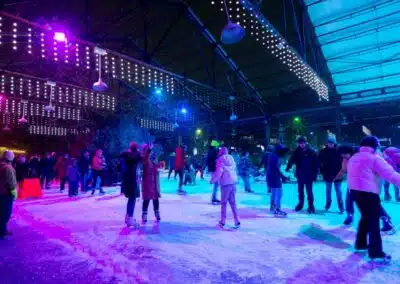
87	57
29	40
77	63
66	53
42	50
1	30
14	36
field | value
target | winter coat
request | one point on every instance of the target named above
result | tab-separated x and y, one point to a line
330	163
150	179
171	159
98	163
179	159
83	165
130	178
212	157
306	162
46	165
225	173
22	171
366	169
8	179
394	155
61	167
34	168
244	166
72	173
273	169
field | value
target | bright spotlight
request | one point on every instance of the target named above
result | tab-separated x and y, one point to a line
60	36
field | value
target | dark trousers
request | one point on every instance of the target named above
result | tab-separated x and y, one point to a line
84	181
308	184
62	183
180	173
45	179
73	187
201	170
156	205
130	206
170	172
96	175
6	203
369	205
350	206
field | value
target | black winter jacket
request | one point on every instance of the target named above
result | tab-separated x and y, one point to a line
330	163
306	162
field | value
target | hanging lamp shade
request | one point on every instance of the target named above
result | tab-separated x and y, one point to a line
100	86
22	120
50	108
232	33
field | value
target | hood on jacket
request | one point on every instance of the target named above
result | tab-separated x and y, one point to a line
227	160
281	150
223	151
394	154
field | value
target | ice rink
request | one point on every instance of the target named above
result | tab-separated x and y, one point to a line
84	240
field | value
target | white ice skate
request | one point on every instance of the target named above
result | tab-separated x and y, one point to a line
130	222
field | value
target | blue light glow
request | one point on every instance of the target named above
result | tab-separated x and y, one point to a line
158	91
360	41
184	110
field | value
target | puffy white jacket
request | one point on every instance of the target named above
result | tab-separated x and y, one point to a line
225	173
366	170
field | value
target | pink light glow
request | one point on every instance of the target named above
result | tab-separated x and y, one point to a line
59	36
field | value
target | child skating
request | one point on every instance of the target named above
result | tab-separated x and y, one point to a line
225	175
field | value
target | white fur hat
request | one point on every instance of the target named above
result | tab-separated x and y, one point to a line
8	155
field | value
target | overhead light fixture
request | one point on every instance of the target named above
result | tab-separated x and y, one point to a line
60	37
50	108
100	86
232	33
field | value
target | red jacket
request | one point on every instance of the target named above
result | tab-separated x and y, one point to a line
179	159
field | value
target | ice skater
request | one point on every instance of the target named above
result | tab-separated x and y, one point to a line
306	161
275	177
244	169
150	185
225	175
99	166
364	172
130	180
73	178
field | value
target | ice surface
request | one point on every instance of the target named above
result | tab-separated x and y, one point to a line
84	240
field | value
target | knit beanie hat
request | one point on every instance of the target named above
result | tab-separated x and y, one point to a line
8	155
302	139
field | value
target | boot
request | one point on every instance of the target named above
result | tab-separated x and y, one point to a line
272	208
129	221
349	220
341	207
215	201
157	214
237	225
387	225
220	225
144	217
387	197
328	205
299	207
311	210
382	256
280	213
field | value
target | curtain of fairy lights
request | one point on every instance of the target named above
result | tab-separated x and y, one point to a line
253	21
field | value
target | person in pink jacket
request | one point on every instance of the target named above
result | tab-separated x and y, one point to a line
225	175
392	156
365	172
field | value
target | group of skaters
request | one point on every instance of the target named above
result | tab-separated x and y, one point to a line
364	168
77	173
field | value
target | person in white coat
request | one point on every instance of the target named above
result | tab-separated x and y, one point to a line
225	175
366	169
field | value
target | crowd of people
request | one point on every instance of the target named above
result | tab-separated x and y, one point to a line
364	168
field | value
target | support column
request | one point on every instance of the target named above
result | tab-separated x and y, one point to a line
267	132
338	121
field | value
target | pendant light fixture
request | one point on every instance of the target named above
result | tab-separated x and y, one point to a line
50	108
232	33
100	86
233	116
23	120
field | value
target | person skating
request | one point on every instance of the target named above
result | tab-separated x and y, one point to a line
392	154
61	169
130	180
275	178
226	176
306	162
150	185
264	162
46	171
98	167
212	157
346	153
330	165
180	166
73	178
244	170
365	170
84	168
8	190
171	165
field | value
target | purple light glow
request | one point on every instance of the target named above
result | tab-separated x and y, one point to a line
60	36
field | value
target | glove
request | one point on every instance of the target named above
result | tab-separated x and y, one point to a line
14	193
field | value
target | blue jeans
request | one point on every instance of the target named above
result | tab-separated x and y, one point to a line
215	191
130	206
386	186
246	180
276	197
338	189
84	181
